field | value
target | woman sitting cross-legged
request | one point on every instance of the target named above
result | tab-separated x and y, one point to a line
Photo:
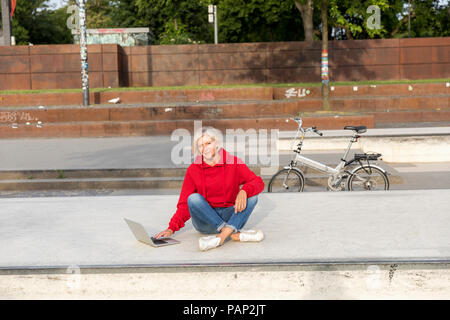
211	194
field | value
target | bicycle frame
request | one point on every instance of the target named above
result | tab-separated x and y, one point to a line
315	164
340	177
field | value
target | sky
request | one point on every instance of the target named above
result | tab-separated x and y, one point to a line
56	3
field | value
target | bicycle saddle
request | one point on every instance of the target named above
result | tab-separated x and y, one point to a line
358	129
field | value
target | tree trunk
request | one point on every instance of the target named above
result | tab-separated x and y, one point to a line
324	70
306	10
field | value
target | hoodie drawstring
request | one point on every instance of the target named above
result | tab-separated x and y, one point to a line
223	177
223	184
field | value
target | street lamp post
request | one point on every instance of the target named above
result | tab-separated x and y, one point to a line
409	18
83	53
6	23
212	18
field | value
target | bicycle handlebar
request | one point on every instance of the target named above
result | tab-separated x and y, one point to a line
299	122
317	131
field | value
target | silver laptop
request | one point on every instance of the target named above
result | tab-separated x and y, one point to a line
142	235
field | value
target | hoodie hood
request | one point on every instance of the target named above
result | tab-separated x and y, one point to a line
229	159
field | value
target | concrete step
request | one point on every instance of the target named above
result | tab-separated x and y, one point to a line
224	94
154	112
218	109
167	178
166	127
411	116
353	91
91	173
138	96
151	173
323	121
133	183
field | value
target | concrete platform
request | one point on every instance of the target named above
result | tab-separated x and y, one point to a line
397	145
306	228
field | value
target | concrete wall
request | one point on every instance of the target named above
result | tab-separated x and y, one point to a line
333	281
58	66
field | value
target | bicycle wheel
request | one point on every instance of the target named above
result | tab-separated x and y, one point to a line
287	180
368	178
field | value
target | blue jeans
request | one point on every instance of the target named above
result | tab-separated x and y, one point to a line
207	219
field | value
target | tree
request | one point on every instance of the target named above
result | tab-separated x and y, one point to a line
24	19
356	17
239	20
307	9
99	13
258	21
51	27
33	22
163	15
125	14
429	18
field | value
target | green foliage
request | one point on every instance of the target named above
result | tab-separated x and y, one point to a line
258	21
190	16
175	34
353	17
125	14
33	22
25	17
428	19
99	14
186	21
51	27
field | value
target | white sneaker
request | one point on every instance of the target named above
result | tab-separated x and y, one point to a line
210	242
251	235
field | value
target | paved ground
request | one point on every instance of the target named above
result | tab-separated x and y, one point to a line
374	237
140	152
392	226
26	215
155	152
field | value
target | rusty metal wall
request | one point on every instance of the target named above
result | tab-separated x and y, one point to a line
58	66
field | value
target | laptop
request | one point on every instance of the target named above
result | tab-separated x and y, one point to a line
142	235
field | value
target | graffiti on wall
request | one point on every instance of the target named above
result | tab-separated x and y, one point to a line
6	116
296	93
15	117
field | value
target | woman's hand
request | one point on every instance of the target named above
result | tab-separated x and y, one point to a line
241	201
164	234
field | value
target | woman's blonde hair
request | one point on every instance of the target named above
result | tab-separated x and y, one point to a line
212	132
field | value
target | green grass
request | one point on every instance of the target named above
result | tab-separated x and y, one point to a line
274	85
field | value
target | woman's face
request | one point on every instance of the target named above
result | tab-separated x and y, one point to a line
207	146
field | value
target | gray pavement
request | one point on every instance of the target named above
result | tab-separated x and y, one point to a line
321	227
155	152
86	153
117	153
139	152
60	228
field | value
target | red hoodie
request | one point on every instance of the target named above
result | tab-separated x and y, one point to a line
218	184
